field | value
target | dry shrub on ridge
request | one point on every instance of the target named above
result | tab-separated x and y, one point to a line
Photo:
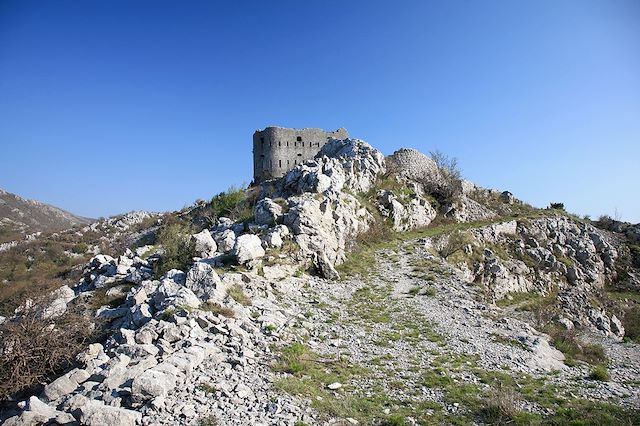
34	349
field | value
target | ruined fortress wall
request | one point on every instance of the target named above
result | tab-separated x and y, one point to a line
276	150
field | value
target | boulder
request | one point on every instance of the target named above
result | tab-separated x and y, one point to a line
151	384
58	306
64	385
171	293
90	353
267	212
205	283
275	236
225	239
248	248
92	412
205	245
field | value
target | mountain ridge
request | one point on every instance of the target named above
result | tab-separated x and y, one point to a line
21	216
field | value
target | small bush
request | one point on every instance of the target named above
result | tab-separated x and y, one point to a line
209	421
179	249
228	203
631	322
449	187
80	248
430	291
34	349
567	342
456	242
500	408
237	293
556	206
218	309
600	373
206	388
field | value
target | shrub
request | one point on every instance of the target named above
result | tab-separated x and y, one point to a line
80	248
600	373
556	206
631	322
179	249
34	349
449	186
227	202
237	293
216	308
567	342
456	242
209	421
500	408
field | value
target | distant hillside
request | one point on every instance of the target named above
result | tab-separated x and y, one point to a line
19	216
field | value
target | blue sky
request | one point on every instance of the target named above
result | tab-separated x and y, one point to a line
111	106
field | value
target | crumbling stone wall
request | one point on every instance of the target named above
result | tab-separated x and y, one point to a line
276	150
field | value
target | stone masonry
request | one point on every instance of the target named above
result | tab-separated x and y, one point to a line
276	150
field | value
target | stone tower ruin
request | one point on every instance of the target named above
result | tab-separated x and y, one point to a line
276	150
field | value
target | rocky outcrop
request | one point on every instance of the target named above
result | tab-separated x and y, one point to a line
322	215
552	253
405	215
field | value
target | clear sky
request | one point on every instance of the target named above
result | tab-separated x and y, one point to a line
112	106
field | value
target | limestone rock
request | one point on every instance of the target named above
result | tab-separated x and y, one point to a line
267	211
248	248
225	239
205	283
205	245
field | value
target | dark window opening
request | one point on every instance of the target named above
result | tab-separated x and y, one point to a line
295	162
299	138
287	163
279	143
280	163
299	155
287	143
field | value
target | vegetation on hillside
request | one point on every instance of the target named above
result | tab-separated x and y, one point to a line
34	348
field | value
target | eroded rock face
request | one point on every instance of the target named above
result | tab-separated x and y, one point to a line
350	164
323	216
409	214
548	253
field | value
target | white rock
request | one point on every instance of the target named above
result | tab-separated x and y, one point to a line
204	243
267	211
225	239
248	248
205	283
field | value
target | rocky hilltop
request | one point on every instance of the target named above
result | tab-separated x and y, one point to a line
356	289
20	217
